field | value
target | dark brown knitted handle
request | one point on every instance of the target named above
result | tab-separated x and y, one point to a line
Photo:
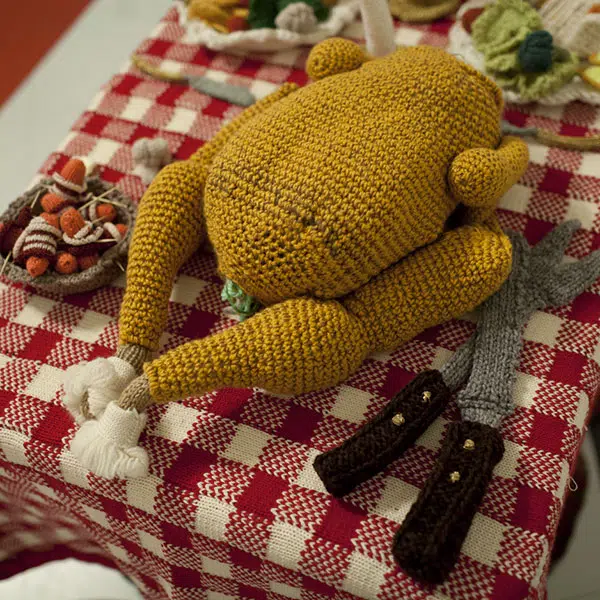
429	540
385	437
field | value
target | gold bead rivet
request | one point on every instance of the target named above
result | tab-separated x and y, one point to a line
469	445
454	476
426	396
398	419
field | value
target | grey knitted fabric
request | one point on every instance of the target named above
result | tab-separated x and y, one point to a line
457	370
490	358
235	94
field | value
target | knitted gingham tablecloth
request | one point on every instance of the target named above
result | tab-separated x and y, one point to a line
233	508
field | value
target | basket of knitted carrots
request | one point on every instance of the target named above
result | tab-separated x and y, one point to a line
67	234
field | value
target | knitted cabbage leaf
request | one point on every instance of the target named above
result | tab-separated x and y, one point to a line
502	27
532	86
498	34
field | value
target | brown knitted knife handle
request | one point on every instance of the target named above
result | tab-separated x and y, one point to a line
429	540
386	436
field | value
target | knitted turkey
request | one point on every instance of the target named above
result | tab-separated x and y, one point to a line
329	206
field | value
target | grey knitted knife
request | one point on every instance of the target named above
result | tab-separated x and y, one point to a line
429	540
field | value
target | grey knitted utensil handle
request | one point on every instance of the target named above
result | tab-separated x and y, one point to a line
538	279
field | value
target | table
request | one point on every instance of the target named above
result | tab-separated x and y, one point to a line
232	507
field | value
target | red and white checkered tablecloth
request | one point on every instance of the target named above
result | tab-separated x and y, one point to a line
232	508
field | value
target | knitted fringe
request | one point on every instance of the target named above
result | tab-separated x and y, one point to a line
108	447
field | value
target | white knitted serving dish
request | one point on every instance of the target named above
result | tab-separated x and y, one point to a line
461	45
267	40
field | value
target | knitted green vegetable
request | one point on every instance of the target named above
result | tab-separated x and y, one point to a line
243	304
535	52
518	54
295	15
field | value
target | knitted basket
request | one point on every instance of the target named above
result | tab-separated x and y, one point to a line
267	40
461	45
97	276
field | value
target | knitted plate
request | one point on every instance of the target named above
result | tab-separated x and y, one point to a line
461	45
97	276
266	40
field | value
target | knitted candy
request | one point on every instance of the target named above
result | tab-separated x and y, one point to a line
70	180
66	263
81	238
51	218
99	211
24	217
11	230
9	234
67	188
336	227
116	232
429	540
36	246
87	261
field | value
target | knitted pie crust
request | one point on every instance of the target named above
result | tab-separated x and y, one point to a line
101	274
414	11
267	40
461	45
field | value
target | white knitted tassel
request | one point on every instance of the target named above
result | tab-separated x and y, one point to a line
100	382
109	447
149	157
378	26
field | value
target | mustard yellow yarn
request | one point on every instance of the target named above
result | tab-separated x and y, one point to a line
170	226
334	56
273	350
303	344
437	283
481	176
329	204
323	190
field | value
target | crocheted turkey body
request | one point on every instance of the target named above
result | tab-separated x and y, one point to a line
327	205
353	173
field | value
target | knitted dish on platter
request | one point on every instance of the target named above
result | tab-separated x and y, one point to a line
107	268
267	40
461	45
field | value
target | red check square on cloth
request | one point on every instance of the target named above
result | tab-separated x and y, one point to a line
232	507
